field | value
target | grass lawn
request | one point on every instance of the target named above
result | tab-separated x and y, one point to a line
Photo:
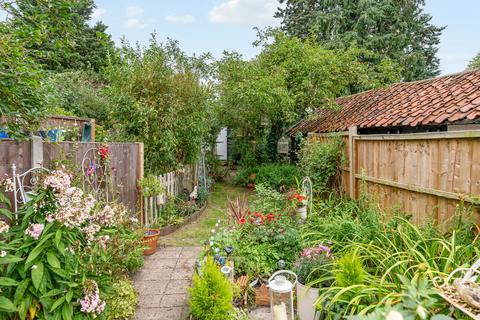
197	232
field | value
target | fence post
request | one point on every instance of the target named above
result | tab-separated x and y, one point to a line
140	173
37	152
352	132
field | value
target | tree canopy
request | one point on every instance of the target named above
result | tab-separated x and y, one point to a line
258	99
57	34
398	29
158	95
475	62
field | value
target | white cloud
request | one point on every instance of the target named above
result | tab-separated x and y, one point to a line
97	13
184	19
252	12
135	17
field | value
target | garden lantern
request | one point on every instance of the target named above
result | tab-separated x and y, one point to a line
281	295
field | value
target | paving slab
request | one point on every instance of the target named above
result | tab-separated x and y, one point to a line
163	283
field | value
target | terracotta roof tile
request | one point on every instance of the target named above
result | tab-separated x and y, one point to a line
433	101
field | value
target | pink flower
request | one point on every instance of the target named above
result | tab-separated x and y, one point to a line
35	230
58	180
91	303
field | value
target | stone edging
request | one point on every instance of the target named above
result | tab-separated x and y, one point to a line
169	229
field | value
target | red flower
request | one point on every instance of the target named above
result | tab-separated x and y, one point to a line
270	217
104	151
301	198
241	220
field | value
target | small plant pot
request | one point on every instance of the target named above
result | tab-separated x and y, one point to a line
150	240
302	212
306	297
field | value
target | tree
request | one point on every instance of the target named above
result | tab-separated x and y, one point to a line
398	29
22	96
57	34
159	95
474	63
260	98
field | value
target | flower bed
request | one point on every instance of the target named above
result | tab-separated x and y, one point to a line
357	262
65	253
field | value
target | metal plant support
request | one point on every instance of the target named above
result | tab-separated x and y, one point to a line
202	171
96	174
307	190
24	184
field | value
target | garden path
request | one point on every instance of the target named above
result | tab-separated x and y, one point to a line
197	232
163	283
164	280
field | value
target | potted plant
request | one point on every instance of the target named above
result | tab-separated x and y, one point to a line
313	272
150	240
152	187
300	204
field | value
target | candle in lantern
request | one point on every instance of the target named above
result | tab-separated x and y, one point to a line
280	312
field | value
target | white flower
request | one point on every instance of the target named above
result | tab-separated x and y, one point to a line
217	250
211	243
4	227
422	313
3	253
213	231
394	315
34	267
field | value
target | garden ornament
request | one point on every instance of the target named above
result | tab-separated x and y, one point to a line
463	293
281	295
24	184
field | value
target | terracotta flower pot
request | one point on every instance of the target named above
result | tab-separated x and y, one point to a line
150	240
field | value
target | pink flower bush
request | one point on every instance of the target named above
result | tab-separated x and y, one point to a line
58	180
91	303
74	207
4	227
35	230
110	215
90	231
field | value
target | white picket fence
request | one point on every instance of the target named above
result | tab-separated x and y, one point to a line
175	183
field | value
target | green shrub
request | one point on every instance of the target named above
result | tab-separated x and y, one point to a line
277	176
246	176
122	302
260	243
267	199
321	161
151	186
350	270
211	296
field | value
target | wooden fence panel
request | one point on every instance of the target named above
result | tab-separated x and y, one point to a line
424	174
124	163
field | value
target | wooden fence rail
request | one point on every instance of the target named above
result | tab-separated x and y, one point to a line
175	183
424	174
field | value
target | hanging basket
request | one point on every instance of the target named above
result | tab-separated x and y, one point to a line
150	240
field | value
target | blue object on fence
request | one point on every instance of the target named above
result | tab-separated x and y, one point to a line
54	135
3	134
87	132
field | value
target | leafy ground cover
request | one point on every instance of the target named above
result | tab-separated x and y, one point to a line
196	233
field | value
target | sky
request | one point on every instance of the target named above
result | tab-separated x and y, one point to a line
217	25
